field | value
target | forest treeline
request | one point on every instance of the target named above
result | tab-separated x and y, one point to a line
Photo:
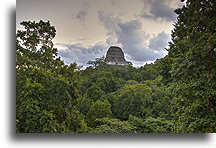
175	94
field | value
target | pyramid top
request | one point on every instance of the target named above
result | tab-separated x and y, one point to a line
115	56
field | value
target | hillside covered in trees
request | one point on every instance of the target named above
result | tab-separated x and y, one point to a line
175	94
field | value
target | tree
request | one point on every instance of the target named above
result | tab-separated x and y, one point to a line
161	98
148	72
193	67
132	100
95	92
98	63
84	104
46	89
74	122
99	109
151	125
109	125
32	117
35	47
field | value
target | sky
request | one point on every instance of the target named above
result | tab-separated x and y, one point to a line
87	28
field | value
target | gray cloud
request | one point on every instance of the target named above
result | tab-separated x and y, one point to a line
80	54
135	42
110	22
159	42
137	45
158	10
81	15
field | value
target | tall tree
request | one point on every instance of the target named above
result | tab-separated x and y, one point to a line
35	47
46	88
193	67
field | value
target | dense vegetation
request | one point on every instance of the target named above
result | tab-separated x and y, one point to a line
175	94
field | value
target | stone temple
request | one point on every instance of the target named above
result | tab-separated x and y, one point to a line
115	56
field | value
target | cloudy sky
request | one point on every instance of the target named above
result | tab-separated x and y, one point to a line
87	28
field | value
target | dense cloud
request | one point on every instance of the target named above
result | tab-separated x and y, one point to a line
80	54
159	42
158	10
137	45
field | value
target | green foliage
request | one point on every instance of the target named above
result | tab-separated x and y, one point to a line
109	125
193	67
75	123
132	99
161	98
98	63
151	125
46	89
84	104
131	82
99	109
95	92
35	47
32	117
